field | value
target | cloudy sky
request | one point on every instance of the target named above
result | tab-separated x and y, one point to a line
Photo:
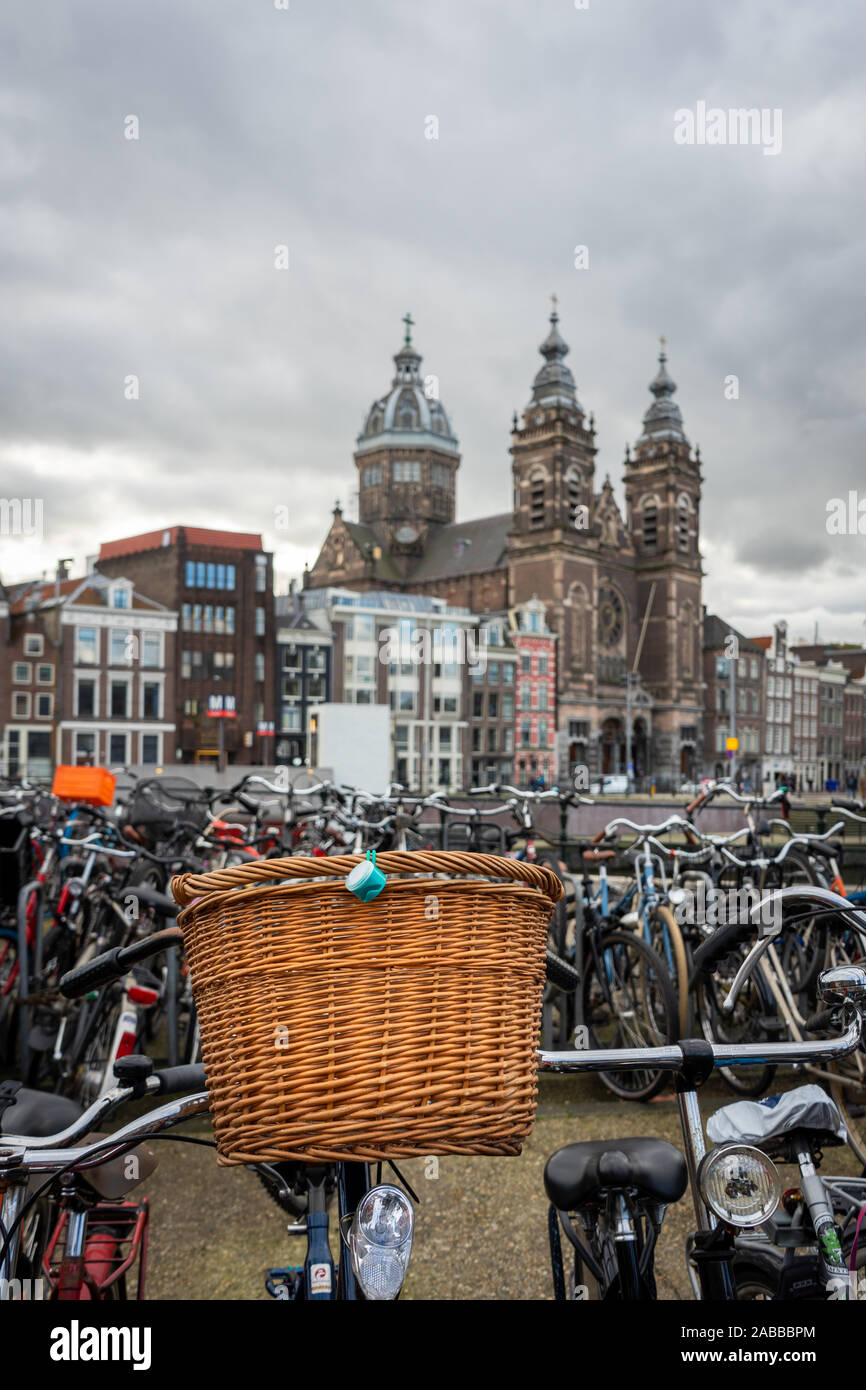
307	127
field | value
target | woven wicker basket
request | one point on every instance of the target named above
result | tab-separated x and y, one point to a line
334	1029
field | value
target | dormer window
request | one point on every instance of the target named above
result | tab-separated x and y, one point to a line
120	596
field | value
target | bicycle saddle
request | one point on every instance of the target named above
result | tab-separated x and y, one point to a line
594	856
37	1113
579	1172
774	1117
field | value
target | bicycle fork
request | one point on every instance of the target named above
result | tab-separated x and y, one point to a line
836	1278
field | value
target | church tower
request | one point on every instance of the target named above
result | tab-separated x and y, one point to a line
663	494
407	457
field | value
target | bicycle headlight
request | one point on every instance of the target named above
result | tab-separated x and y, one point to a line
381	1241
740	1184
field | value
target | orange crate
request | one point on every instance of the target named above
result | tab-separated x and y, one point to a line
95	785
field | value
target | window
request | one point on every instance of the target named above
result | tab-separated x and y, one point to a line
210	573
445	737
86	646
683	525
150	700
200	574
261	574
408	472
508	672
493	705
508	706
190	574
542	733
525	696
260	666
120	596
536	502
525	731
260	622
117	749
493	672
86	699
22	673
120	648
20	705
45	675
650	524
151	649
230	577
208	617
44	706
542	665
373	475
85	749
721	666
406	700
34	644
150	749
477	704
119	699
440	475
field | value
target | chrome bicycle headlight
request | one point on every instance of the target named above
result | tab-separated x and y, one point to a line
381	1241
740	1184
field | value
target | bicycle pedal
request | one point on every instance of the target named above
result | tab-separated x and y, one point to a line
284	1283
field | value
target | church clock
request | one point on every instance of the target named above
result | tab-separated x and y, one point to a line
610	617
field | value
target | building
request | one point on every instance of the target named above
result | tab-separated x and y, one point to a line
806	771
779	718
724	646
854	734
91	676
221	583
414	653
831	697
535	645
303	674
492	706
622	593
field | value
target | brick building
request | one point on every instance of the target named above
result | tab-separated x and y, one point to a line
605	578
90	667
722	645
221	584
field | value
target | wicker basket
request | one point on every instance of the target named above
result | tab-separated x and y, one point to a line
334	1029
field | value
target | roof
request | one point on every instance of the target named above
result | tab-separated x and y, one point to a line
763	643
363	537
717	632
188	535
464	547
91	591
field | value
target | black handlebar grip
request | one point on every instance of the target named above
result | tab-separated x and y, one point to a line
821	1022
173	1081
720	944
560	973
847	804
99	971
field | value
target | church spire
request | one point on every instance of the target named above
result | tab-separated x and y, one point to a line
663	419
554	383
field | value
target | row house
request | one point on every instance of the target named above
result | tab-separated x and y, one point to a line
806	771
723	646
303	673
221	584
779	717
88	676
854	735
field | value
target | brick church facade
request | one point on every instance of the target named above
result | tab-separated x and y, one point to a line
622	593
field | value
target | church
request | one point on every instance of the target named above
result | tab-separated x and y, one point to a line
622	592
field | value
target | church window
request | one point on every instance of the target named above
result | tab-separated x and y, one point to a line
373	475
440	475
650	525
683	523
536	501
407	471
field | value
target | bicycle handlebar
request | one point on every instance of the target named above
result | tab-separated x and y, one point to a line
114	964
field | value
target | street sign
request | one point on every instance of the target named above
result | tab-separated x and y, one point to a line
265	728
221	707
732	744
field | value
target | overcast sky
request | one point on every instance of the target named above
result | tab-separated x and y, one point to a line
307	127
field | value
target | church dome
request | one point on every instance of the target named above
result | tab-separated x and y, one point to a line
407	415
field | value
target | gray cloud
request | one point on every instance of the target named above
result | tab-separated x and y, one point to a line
261	127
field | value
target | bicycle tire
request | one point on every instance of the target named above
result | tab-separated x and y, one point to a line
608	1028
661	914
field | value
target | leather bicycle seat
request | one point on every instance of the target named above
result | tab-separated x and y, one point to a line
579	1172
595	856
38	1113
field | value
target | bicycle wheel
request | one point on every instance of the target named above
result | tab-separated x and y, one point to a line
744	1025
851	1099
666	939
629	1001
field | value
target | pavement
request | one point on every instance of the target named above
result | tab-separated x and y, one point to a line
481	1223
